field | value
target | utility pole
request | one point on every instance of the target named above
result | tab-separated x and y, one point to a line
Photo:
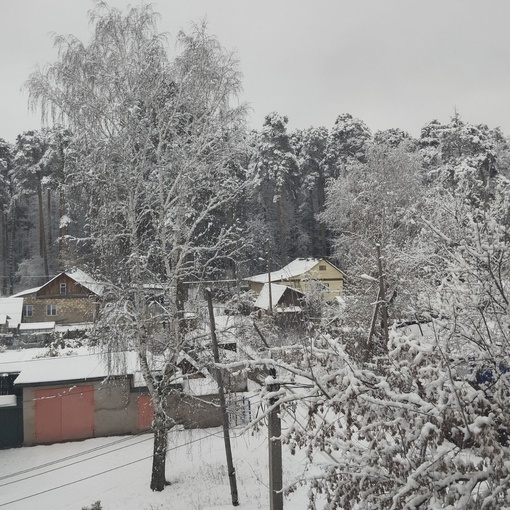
274	432
226	436
274	425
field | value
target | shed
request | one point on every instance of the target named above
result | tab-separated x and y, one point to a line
280	298
11	310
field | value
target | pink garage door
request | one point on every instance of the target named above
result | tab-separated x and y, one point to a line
64	413
145	412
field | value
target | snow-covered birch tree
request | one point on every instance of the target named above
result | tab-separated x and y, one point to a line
158	140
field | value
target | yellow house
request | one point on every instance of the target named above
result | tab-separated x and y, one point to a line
304	275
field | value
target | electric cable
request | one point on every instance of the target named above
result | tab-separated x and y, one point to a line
66	465
103	472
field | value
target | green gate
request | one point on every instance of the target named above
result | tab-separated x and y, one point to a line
11	416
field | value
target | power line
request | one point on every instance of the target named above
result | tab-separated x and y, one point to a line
70	457
65	356
102	472
76	481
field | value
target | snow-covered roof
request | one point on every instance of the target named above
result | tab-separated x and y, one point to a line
77	275
64	328
288	309
277	292
12	361
81	367
33	326
85	280
11	310
33	290
200	386
297	267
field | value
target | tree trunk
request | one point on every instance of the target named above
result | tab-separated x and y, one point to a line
10	243
63	257
321	185
42	231
158	479
3	253
63	248
281	223
49	237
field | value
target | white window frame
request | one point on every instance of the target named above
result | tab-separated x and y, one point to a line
63	287
28	310
51	310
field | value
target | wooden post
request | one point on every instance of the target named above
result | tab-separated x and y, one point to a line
226	436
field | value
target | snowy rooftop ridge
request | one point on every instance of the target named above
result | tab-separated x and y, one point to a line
33	290
80	277
296	268
77	275
85	280
85	366
11	309
277	292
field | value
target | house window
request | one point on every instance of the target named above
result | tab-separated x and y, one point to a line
322	267
63	288
28	310
51	309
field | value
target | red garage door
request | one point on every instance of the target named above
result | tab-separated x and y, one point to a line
64	413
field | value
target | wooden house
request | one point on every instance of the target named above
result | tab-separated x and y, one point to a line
68	298
304	275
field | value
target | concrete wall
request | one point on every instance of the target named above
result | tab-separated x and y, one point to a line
115	409
195	413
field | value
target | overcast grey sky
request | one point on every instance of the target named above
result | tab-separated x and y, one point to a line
392	63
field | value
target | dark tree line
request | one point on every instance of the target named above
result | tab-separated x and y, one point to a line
286	174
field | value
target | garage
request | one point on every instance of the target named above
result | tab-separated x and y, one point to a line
63	414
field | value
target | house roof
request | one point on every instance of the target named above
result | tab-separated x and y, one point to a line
11	310
277	292
33	290
296	268
83	279
82	367
33	326
77	275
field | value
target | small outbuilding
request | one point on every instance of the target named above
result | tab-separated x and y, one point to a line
70	397
279	298
304	275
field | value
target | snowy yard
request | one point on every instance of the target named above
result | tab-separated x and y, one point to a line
116	471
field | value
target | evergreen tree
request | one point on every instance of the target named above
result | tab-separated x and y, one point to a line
273	182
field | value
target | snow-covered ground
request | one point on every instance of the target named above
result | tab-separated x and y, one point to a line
116	471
